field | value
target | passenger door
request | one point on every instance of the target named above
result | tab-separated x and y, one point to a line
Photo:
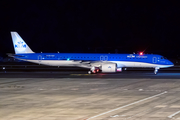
154	59
39	58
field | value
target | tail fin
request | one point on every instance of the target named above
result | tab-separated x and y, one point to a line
19	45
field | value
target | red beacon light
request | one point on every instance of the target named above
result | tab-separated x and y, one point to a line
141	53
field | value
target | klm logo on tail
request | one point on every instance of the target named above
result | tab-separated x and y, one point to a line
20	46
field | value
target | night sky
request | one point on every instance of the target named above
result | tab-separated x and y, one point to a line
92	26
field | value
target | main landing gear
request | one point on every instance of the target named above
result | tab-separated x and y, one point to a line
156	70
93	70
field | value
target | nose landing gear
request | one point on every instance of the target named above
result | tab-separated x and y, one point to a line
156	70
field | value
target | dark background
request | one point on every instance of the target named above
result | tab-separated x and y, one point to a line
92	26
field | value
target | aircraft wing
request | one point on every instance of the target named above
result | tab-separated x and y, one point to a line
89	64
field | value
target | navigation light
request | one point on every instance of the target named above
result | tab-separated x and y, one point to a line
141	53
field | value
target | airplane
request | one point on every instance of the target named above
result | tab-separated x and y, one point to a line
105	63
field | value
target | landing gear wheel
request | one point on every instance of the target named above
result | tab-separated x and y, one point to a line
155	71
89	72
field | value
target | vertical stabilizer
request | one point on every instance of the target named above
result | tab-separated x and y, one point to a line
19	45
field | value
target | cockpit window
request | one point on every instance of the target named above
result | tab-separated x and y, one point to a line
163	58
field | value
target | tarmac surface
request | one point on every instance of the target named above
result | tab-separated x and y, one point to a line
76	95
83	74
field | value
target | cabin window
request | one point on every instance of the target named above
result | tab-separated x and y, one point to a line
163	58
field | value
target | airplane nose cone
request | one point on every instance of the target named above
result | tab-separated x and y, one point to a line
170	63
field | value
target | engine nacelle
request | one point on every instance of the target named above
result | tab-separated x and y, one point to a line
109	68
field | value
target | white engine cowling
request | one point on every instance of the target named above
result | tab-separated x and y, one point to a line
109	68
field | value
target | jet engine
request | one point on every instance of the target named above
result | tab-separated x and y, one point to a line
109	68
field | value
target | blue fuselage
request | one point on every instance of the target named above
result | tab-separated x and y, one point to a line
124	60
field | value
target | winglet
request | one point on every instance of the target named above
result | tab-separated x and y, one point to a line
19	44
